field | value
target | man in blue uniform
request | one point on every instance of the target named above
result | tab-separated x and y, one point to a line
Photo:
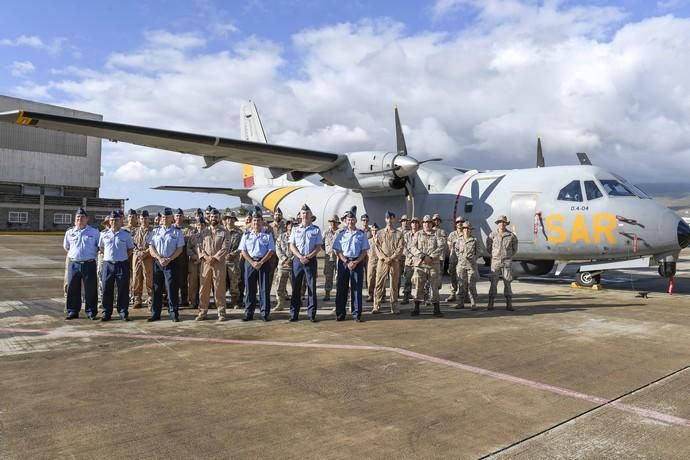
305	243
351	246
257	248
166	243
117	246
81	244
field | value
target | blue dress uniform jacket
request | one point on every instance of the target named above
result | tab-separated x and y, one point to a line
351	244
115	270
82	249
306	239
257	245
166	241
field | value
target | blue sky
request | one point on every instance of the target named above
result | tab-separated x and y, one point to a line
472	77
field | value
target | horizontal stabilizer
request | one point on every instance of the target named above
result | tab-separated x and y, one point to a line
241	193
209	147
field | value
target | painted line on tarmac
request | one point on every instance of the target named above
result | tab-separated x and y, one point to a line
602	402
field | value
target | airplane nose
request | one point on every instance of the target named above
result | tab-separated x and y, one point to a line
405	165
683	234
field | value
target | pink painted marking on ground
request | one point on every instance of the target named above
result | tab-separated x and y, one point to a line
646	413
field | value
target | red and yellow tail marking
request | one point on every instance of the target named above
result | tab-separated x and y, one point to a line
248	176
274	197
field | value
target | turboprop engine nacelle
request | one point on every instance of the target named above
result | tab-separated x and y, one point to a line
374	171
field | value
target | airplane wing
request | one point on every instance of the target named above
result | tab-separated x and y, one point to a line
241	193
211	148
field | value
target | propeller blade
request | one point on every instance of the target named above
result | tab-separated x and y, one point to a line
430	160
399	136
540	155
410	196
584	159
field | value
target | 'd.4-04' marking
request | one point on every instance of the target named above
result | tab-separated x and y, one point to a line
604	225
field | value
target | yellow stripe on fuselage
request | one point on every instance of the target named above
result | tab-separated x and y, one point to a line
274	197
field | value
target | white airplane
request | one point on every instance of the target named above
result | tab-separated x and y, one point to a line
561	214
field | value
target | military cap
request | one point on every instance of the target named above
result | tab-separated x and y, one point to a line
334	218
179	212
114	215
144	213
199	211
403	217
427	218
230	215
305	207
81	212
365	216
459	219
414	219
390	214
209	208
466	224
257	212
132	212
352	212
167	212
436	216
503	219
375	226
214	211
278	211
159	215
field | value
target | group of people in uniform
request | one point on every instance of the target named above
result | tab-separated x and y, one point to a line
187	265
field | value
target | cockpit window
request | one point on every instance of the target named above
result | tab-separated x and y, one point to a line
571	192
633	188
614	188
592	190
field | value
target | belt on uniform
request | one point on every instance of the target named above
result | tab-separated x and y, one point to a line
256	259
82	261
114	261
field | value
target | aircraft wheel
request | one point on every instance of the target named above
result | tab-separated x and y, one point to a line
587	279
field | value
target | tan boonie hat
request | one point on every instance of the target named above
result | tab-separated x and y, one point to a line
436	216
466	225
459	219
427	218
503	219
334	218
403	217
414	219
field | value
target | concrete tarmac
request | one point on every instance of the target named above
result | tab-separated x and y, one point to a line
573	373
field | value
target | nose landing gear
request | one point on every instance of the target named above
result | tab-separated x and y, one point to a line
588	279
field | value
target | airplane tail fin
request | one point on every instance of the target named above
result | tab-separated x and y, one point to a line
251	129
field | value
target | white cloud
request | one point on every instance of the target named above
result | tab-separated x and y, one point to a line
33	41
21	68
576	76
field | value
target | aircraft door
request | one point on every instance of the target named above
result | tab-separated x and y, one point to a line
522	216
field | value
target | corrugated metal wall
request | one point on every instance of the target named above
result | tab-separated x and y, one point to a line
38	156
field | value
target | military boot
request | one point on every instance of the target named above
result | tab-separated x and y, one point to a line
460	305
415	311
405	299
327	296
509	304
437	309
491	303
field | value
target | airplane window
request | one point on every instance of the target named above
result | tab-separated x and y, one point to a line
636	190
571	192
615	188
592	190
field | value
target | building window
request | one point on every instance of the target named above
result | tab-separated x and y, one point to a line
16	217
60	219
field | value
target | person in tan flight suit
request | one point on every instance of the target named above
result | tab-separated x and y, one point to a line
389	244
193	268
213	250
143	263
277	228
366	228
502	244
426	249
132	224
408	269
285	257
372	261
453	259
444	236
330	259
467	251
233	260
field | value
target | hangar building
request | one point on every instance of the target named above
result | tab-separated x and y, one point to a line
46	175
